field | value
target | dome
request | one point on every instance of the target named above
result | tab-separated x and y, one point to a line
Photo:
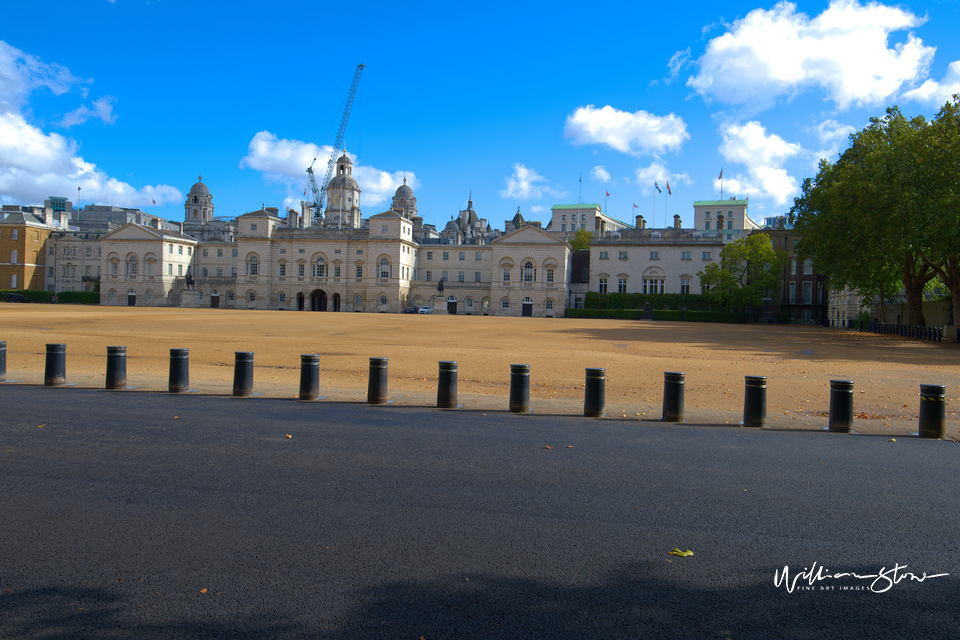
343	181
199	189
404	191
344	159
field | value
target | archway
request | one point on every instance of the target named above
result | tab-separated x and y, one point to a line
131	298
527	309
300	302
336	302
318	300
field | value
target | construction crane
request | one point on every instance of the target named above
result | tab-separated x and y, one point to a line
320	193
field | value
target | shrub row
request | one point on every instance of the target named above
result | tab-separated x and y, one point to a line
594	300
64	297
661	314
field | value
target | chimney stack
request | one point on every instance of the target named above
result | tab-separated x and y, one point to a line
639	221
155	223
676	221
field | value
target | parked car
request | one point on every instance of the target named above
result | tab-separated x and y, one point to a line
426	310
411	310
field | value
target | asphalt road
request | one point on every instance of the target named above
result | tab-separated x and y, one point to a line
141	515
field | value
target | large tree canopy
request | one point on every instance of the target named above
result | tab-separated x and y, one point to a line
866	219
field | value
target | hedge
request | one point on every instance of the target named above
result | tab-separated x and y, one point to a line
594	300
665	315
64	297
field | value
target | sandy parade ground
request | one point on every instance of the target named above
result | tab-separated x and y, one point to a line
799	361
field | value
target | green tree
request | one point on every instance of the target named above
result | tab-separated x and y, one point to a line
580	240
862	219
747	268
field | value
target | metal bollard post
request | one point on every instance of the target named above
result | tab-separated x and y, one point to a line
447	385
841	406
519	388
933	410
673	383
309	376
594	392
116	368
377	387
243	373
55	371
755	401
3	360
179	370
939	334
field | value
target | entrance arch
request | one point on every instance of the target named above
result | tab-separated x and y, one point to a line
318	300
300	301
527	309
336	302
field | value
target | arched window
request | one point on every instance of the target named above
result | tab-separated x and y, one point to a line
149	295
196	200
282	297
113	295
252	296
384	268
549	305
321	268
194	212
529	273
505	303
132	265
469	303
252	266
358	300
383	300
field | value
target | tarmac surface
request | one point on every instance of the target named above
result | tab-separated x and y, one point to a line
146	515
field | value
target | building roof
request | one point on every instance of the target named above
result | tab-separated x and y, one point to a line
719	203
576	206
199	189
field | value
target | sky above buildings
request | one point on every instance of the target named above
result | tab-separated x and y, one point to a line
521	104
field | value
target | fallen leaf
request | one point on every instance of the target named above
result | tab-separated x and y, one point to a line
548	447
892	440
289	436
682	554
203	590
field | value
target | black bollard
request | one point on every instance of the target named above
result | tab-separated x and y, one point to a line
841	406
939	334
673	383
309	376
447	385
3	360
755	401
55	372
377	387
519	388
243	374
933	410
594	393
116	368
179	370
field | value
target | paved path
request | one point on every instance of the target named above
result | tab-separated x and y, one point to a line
140	515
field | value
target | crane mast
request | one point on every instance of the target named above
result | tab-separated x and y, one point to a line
320	193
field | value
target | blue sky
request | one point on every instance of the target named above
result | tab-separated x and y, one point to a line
516	102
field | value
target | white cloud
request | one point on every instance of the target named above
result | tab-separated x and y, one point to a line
35	165
538	208
677	62
637	134
831	135
844	50
657	173
102	109
763	155
600	174
525	184
936	94
286	161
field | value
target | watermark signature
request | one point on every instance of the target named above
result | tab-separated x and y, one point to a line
880	582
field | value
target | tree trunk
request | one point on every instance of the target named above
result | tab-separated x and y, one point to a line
916	274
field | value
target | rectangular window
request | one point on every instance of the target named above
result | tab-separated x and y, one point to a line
180	250
808	267
654	255
335	251
463	255
219	253
623	255
446	255
50	271
793	267
563	227
793	292
729	225
179	269
300	270
359	270
603	286
15	235
807	293
281	251
477	256
233	272
13	276
476	276
604	255
684	255
336	271
445	276
253	226
13	256
169	269
219	272
563	217
549	276
283	271
729	236
205	271
706	225
707	255
461	277
359	252
384	228
170	249
684	286
706	214
429	276
204	252
429	255
621	285
234	253
506	275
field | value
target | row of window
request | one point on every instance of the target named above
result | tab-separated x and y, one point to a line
463	255
655	255
468	302
807	267
528	274
706	225
650	285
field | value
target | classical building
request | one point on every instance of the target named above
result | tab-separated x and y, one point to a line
726	219
380	264
568	218
642	260
198	220
23	234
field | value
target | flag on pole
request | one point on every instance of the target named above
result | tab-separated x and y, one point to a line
669	193
657	187
720	177
154	201
608	194
634	205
